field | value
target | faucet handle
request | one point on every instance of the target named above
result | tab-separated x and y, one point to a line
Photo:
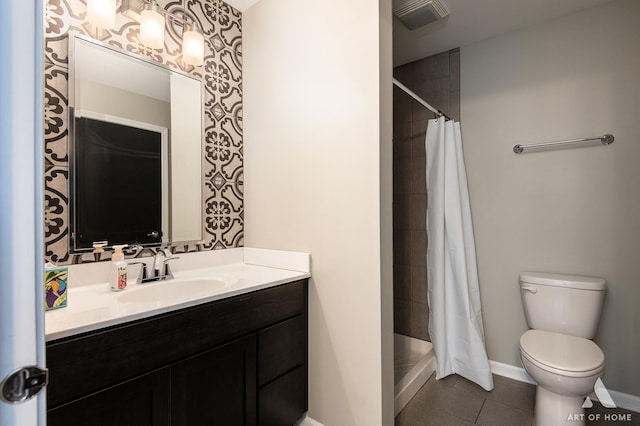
166	271
158	260
142	276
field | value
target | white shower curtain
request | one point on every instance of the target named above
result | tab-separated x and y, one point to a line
455	317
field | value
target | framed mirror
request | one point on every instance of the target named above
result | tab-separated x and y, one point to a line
135	150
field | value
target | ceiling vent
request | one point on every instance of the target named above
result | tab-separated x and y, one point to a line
417	13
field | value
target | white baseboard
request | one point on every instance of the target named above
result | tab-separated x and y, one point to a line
511	372
622	400
308	421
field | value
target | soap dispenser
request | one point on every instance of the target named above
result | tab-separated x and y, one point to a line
98	249
118	279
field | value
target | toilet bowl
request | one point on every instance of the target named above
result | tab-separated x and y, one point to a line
563	312
565	368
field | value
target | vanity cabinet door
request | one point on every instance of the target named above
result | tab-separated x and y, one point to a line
283	401
138	402
281	348
282	372
217	387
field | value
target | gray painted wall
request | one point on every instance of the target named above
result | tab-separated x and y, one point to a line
568	211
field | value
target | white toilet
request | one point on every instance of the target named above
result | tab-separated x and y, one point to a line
563	312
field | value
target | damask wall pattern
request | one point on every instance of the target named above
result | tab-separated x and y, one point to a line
221	74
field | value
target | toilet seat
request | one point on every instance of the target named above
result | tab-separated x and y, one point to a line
562	354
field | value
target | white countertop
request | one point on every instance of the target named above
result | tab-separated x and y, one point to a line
92	306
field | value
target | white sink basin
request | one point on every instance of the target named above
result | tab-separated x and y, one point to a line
172	291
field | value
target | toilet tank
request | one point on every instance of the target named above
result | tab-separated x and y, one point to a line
566	304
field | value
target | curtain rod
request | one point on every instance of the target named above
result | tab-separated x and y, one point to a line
408	91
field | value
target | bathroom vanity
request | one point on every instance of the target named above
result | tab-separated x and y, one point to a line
237	360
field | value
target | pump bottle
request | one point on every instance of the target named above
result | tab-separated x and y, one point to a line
118	279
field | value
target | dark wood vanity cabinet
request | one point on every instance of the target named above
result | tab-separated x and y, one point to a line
236	361
216	387
140	401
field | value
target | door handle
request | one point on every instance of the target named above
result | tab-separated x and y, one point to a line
23	384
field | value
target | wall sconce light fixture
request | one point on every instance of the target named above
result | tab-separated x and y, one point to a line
193	46
152	27
102	13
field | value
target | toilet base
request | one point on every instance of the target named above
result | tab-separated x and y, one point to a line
553	409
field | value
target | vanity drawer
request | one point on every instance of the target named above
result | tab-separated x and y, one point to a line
281	348
82	364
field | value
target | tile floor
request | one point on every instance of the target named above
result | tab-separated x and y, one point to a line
455	401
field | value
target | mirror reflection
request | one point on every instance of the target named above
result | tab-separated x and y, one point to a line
135	150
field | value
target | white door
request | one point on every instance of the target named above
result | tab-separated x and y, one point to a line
21	217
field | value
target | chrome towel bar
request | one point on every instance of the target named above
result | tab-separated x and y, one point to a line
606	140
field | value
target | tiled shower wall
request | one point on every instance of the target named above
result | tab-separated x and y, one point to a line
436	79
222	134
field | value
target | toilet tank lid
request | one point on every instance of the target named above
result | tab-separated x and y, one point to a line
560	280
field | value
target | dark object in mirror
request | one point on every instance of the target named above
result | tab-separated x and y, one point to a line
118	184
135	150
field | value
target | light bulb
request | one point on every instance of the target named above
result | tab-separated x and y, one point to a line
193	46
152	27
102	13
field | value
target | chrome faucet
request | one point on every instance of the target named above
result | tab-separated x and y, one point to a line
161	270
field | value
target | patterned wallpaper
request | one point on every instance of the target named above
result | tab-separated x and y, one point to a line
222	78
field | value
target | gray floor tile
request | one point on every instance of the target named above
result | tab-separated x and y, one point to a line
455	400
507	391
600	416
513	393
472	388
445	382
443	395
497	414
419	415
